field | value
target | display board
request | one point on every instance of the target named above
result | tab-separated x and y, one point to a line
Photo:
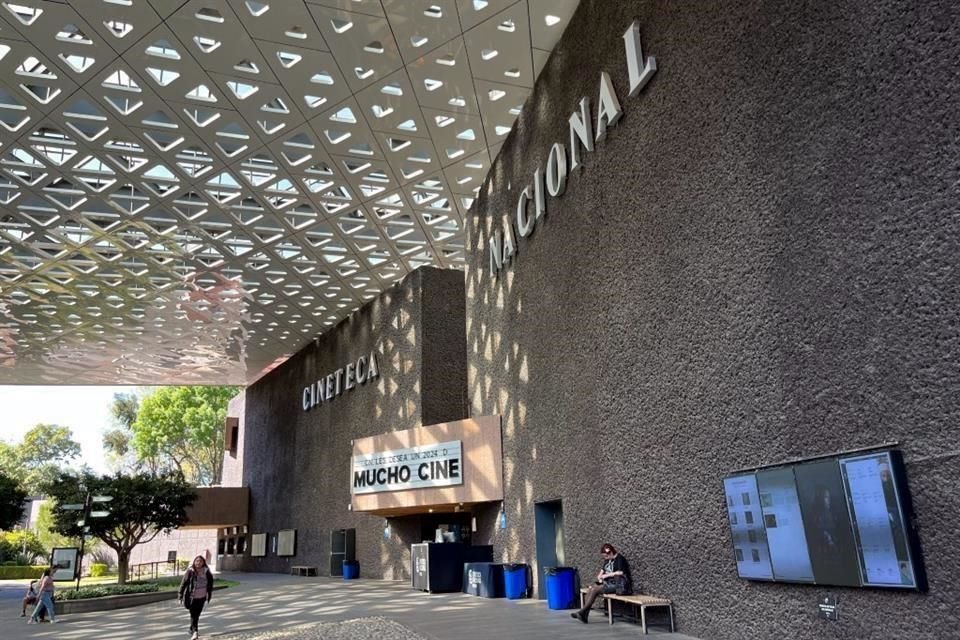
258	545
287	542
63	560
841	521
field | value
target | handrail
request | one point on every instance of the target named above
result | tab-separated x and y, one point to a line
151	570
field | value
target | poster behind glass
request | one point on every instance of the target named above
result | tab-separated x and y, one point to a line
64	563
839	520
783	522
826	521
746	527
878	522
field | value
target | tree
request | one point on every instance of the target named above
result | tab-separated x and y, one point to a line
182	427
46	531
11	502
21	546
37	459
118	440
142	506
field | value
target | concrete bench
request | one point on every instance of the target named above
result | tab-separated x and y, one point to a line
303	571
638	601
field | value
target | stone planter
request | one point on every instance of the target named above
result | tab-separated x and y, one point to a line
109	603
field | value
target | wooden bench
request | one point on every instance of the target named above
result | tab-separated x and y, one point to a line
638	602
303	571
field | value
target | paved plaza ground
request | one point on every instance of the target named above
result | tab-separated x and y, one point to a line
268	605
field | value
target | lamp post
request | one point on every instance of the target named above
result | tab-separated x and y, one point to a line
87	512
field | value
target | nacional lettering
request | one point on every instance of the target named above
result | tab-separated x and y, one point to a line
561	161
343	379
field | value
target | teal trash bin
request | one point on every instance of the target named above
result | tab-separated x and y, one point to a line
515	581
560	582
351	569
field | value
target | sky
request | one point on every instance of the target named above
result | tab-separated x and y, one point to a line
85	410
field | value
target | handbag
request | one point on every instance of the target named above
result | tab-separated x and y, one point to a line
620	583
187	600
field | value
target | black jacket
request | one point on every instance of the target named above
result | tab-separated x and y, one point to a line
190	580
624	583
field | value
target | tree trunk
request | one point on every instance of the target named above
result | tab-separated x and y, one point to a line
123	566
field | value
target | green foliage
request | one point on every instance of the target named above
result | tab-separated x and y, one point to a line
124	409
169	581
23	546
144	586
102	555
100	591
98	570
46	532
142	506
182	427
37	459
11	502
14	572
117	441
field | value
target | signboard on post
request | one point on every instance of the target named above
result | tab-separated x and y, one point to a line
65	563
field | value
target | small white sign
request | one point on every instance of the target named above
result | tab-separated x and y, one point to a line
429	465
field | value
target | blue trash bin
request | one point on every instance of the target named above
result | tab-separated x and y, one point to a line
515	581
351	569
560	587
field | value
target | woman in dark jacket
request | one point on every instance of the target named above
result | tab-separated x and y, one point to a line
614	577
195	591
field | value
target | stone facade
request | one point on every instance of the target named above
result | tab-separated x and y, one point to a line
757	264
297	463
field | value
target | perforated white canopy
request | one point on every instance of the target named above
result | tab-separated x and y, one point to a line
191	191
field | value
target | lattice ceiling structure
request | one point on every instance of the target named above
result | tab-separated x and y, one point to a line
191	191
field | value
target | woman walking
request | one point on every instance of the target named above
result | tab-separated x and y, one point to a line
195	591
44	598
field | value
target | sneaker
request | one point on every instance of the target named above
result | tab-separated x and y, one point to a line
31	621
196	634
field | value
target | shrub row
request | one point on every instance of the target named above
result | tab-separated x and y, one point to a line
106	590
20	572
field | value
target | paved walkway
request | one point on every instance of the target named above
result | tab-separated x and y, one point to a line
268	602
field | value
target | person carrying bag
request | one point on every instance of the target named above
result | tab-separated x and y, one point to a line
196	590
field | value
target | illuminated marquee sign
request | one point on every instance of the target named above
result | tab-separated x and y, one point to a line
343	379
583	135
429	465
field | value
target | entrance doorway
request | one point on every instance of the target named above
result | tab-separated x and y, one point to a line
548	522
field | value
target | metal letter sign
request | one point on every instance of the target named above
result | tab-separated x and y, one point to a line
502	243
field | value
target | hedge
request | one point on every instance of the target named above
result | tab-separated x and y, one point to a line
20	572
98	570
105	590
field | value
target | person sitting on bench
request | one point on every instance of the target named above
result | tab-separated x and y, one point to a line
614	577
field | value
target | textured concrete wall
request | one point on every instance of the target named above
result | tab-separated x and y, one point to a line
188	543
297	464
758	263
